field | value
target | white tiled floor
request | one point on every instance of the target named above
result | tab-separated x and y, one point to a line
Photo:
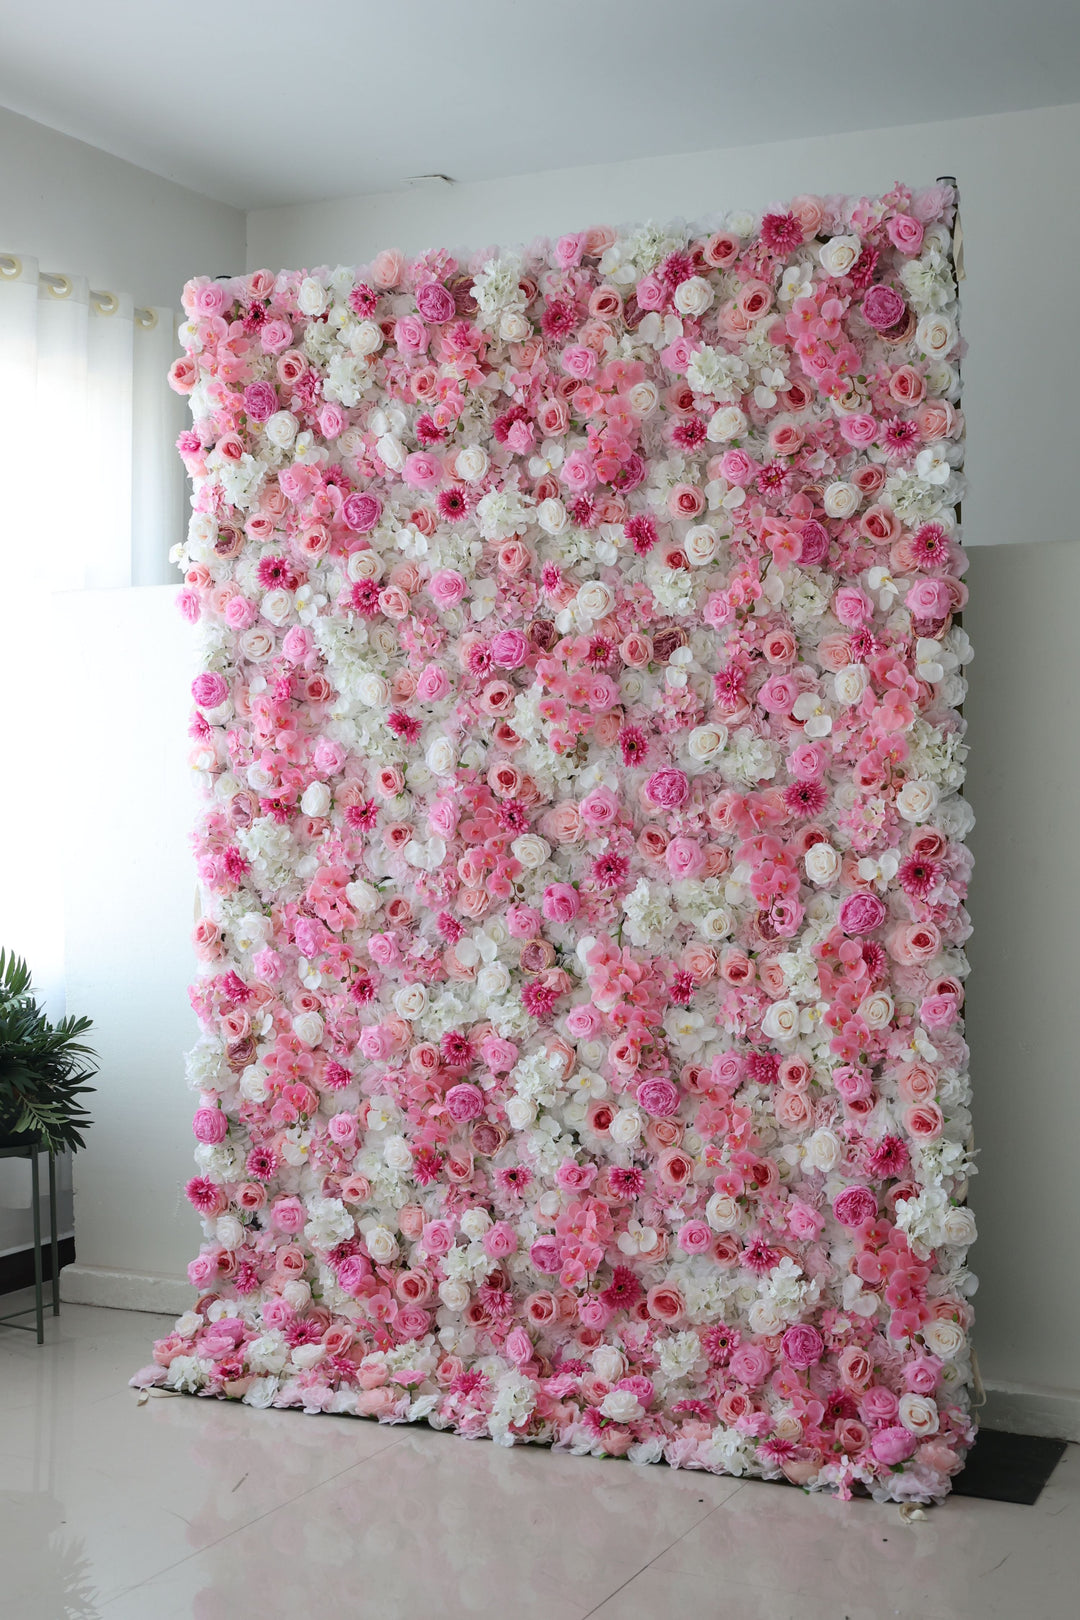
182	1509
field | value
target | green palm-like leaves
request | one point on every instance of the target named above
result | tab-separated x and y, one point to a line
44	1067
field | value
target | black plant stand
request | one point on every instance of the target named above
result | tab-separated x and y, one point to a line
31	1149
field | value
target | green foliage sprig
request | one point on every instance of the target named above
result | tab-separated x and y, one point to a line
44	1067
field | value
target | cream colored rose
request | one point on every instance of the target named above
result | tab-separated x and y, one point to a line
308	1027
959	1227
316	799
723	1212
643	398
693	296
841	500
277	606
850	683
311	296
382	1245
838	255
365	338
781	1021
607	1363
876	1010
944	1338
513	327
410	1001
551	515
594	600
229	1231
472	463
441	756
531	850
397	1153
454	1295
716	924
823	1150
493	981
281	429
391	452
373	691
625	1128
622	1406
935	335
363	898
475	1222
919	1415
727	423
706	741
700	543
916	800
364	565
822	864
521	1112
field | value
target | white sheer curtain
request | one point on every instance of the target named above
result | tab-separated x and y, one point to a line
91	498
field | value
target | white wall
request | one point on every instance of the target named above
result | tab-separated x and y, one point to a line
1020	209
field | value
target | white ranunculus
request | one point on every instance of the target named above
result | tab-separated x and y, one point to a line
919	1415
700	543
373	691
308	1027
706	741
781	1021
229	1231
917	800
622	1405
726	423
365	338
626	1127
839	254
441	756
850	683
311	296
381	1245
472	463
531	850
693	296
281	429
594	600
306	1356
823	1150
723	1212
316	799
391	452
841	500
822	864
552	515
410	1001
297	1294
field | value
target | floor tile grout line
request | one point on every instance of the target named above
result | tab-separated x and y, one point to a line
259	1517
688	1531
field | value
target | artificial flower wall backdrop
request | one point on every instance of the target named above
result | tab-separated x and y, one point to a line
581	962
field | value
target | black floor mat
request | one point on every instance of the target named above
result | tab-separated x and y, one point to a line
1008	1467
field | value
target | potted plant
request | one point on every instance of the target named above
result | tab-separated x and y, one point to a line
44	1067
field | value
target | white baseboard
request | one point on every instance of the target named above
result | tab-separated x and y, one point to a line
125	1290
1032	1409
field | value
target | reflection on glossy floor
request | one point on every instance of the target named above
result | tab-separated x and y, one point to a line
186	1508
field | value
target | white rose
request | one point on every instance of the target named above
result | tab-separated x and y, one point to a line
722	1212
513	327
643	398
364	565
700	544
607	1362
316	799
306	1356
365	337
189	1324
822	864
916	800
781	1021
959	1227
410	1001
705	741
297	1293
276	606
472	463
441	756
454	1295
311	296
391	452
823	1150
397	1153
841	499
726	423
850	683
493	981
838	255
521	1112
716	924
876	1011
693	296
229	1231
363	898
625	1128
281	428
919	1415
594	600
373	691
308	1027
943	1338
381	1244
935	335
551	515
474	1223
531	850
622	1406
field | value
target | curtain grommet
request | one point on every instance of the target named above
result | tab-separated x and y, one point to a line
59	286
11	266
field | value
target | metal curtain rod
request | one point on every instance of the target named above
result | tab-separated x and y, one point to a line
60	286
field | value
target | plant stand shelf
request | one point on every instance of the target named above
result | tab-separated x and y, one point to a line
32	1150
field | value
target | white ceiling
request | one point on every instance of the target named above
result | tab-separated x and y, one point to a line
259	102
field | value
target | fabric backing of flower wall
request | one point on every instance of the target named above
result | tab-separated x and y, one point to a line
582	855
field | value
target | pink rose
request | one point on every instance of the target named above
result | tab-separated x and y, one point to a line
500	1055
578	361
861	914
852	606
432	683
546	1255
929	599
509	649
815	542
288	1214
685	858
778	694
437	1238
260	401
500	1240
905	233
376	1042
464	1102
750	1364
939	1012
422	470
561	903
583	1022
523	922
924	1122
599	808
893	1445
695	1237
446	588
